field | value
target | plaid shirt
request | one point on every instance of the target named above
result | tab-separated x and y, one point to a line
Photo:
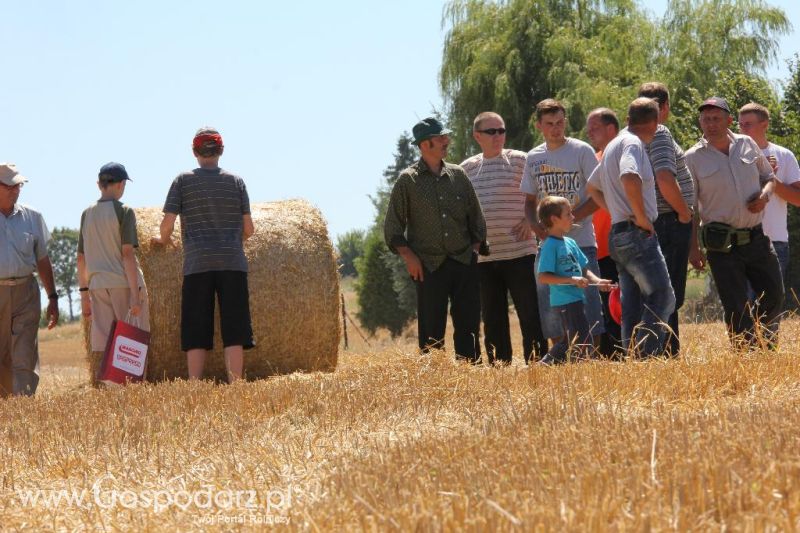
436	216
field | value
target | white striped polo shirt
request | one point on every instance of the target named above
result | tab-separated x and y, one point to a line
496	182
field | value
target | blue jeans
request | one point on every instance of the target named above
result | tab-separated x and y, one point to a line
550	318
647	296
673	239
782	251
575	334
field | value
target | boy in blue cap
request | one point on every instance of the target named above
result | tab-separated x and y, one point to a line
111	282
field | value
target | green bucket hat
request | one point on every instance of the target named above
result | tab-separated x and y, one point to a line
427	128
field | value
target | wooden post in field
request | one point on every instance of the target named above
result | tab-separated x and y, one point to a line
344	321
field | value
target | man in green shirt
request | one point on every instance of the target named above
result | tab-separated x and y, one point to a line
434	221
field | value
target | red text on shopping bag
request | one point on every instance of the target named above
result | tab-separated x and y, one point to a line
125	358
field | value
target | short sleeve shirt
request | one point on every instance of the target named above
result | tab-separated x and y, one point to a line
211	203
726	182
625	154
496	181
562	172
775	212
562	257
666	154
23	242
105	228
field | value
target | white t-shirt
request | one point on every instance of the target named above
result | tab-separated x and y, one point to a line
775	212
625	154
496	182
562	172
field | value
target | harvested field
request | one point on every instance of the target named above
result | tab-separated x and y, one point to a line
395	441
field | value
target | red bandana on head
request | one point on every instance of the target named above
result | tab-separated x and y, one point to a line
201	140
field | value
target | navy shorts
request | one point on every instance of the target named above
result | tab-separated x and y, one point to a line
197	310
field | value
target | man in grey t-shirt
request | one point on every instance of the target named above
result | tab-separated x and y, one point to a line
624	185
215	220
674	200
560	166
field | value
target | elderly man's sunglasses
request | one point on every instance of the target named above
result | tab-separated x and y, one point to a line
493	131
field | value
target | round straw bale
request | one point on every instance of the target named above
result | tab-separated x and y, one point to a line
294	295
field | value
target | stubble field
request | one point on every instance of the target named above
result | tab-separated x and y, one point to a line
396	441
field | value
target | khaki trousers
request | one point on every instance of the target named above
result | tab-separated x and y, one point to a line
20	311
113	304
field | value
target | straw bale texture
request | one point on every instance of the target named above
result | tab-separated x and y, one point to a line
294	295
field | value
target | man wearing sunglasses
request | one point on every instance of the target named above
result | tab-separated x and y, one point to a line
495	174
23	251
561	166
434	221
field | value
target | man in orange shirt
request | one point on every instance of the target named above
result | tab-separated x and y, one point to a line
602	125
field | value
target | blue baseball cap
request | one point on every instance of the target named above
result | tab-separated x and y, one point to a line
113	173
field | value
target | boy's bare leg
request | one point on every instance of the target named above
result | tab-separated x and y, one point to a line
234	362
196	360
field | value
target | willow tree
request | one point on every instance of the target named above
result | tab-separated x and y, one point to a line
507	55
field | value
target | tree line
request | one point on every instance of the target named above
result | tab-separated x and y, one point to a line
506	56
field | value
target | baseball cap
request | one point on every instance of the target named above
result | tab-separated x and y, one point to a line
715	101
9	175
207	138
427	128
113	173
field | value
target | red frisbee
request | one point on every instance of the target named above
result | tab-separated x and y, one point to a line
615	305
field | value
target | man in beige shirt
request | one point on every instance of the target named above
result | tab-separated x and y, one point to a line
23	251
733	183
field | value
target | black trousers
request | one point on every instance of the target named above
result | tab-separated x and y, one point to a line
458	284
674	238
611	340
518	277
757	264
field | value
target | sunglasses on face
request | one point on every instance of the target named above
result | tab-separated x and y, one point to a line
11	187
493	131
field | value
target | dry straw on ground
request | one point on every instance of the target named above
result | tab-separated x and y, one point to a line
294	294
393	441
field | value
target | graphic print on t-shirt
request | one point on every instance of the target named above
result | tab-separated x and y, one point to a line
568	265
555	181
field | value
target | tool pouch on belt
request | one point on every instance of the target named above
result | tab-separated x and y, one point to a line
718	237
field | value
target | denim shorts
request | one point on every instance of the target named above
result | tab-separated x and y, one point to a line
593	306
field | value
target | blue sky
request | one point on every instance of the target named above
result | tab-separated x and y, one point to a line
310	97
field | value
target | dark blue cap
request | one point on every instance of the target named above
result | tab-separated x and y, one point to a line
113	173
427	128
715	101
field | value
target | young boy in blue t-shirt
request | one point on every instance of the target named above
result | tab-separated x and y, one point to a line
562	265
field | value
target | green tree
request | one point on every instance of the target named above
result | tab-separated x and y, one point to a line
506	56
386	294
350	247
702	39
63	252
791	140
377	300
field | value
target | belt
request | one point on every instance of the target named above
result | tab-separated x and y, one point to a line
625	224
12	282
747	234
